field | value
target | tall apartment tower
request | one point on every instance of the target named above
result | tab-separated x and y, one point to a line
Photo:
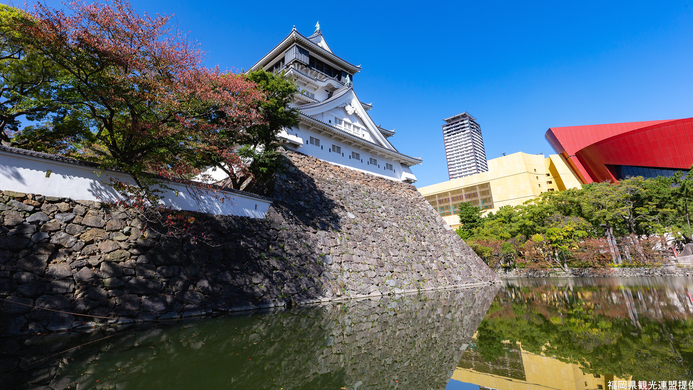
464	146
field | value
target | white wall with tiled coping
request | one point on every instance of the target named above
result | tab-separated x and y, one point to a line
36	175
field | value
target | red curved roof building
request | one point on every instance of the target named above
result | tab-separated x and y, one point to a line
615	151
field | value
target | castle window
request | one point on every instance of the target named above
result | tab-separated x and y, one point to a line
305	92
373	161
355	155
325	68
315	141
336	149
389	167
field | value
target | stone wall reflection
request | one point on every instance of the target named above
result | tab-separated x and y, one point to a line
411	341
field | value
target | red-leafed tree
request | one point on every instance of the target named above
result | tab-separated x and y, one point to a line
134	94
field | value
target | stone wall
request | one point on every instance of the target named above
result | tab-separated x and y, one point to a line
332	233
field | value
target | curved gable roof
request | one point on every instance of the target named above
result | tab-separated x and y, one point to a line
345	95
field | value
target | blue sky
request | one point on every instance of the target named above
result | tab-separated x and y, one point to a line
518	67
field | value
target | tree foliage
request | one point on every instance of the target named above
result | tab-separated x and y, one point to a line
25	76
135	96
99	82
555	229
258	143
470	218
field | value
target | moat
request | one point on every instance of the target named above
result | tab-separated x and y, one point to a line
526	334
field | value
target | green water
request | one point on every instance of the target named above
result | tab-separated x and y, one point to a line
629	328
593	333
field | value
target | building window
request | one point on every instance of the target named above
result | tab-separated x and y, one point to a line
389	167
336	149
355	155
338	121
372	161
325	68
549	182
314	141
308	93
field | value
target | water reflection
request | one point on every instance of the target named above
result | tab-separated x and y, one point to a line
583	334
409	342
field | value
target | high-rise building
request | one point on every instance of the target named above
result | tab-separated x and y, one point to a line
464	146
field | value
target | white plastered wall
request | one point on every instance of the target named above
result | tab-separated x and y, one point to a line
36	175
324	152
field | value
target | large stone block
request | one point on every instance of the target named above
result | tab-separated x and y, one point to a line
12	218
94	221
118	256
18	305
85	276
38	217
35	263
63	239
141	286
54	302
110	270
20	206
64	217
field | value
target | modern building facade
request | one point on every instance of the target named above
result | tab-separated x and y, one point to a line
334	123
615	151
522	370
464	146
510	181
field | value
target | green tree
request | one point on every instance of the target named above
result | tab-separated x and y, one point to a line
682	195
562	235
259	142
470	218
26	77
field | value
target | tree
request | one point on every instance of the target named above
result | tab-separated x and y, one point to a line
470	218
135	94
562	236
682	196
258	143
25	76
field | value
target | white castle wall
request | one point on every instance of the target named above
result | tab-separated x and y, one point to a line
35	175
324	152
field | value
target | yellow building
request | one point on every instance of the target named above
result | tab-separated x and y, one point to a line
522	370
510	181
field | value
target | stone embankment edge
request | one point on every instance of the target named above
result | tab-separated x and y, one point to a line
597	273
396	294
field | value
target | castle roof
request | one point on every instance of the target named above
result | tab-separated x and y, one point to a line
315	43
